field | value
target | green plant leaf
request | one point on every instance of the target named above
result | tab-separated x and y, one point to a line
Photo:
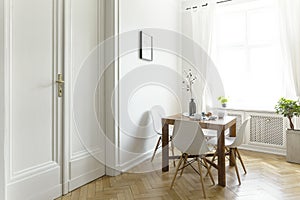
288	108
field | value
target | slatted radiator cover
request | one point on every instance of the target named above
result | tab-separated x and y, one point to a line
267	129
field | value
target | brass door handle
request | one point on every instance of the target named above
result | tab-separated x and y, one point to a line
60	79
60	83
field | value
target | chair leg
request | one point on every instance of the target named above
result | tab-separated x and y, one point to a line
172	148
212	160
227	149
208	170
156	147
201	178
235	165
240	158
177	168
184	163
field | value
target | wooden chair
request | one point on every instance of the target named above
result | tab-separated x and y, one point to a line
188	137
232	143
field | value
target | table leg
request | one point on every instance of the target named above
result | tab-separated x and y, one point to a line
221	159
165	147
232	133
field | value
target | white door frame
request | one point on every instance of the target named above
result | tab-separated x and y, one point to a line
2	107
67	97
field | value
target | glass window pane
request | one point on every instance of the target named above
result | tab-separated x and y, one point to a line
249	55
232	67
262	26
231	28
266	78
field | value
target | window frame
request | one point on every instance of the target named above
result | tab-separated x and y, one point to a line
246	46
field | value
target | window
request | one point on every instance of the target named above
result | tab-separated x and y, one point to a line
248	54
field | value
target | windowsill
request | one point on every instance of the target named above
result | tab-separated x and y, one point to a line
248	109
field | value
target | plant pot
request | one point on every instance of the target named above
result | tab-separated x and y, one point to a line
293	146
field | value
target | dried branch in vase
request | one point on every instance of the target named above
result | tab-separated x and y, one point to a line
190	79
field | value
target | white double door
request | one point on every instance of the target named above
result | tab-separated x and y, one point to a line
37	160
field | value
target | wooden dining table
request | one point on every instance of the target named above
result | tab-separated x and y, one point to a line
220	125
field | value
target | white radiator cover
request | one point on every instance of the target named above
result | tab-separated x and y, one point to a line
266	131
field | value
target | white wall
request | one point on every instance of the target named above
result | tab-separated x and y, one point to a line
137	138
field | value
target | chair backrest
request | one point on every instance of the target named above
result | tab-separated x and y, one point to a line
240	134
157	113
188	138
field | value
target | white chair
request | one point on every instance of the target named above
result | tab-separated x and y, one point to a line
208	133
157	113
232	143
188	137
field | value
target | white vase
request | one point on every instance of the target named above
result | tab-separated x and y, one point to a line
221	114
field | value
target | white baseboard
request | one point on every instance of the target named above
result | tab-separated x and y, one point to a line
137	160
52	193
262	149
112	172
65	188
85	178
143	157
83	170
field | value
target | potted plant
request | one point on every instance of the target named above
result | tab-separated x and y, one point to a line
223	100
290	108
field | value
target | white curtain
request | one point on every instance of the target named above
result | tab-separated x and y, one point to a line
289	11
203	24
198	24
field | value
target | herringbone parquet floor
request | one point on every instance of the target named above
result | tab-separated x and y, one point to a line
269	177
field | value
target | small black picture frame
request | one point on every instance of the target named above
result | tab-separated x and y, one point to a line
146	46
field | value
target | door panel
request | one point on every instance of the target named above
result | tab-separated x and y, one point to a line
32	83
86	141
34	135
